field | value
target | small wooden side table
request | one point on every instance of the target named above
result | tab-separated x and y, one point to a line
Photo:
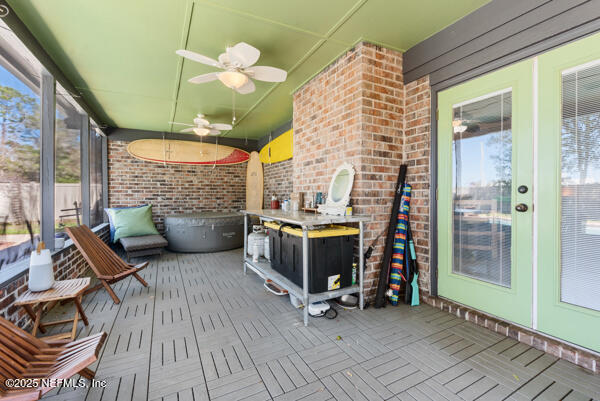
61	291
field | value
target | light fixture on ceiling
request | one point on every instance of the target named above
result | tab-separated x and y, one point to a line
233	79
201	131
458	126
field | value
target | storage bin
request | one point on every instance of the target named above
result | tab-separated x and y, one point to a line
330	255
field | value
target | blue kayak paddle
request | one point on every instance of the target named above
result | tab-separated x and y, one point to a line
414	283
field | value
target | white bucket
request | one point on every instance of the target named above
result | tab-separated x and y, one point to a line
41	274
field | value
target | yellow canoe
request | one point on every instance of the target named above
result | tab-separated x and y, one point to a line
279	149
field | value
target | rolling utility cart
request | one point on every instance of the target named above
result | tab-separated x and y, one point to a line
306	221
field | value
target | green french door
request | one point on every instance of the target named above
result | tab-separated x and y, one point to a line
529	132
485	138
569	193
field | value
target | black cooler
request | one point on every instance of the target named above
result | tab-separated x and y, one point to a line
330	254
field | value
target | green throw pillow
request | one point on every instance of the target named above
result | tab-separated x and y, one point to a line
133	222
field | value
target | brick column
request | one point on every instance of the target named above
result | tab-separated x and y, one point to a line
353	112
417	133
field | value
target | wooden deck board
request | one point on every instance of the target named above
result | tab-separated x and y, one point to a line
203	331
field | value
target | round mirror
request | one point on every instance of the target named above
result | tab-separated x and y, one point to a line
340	183
341	186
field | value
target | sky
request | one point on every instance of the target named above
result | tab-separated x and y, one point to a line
7	79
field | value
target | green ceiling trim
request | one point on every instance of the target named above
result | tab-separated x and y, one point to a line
183	45
257	17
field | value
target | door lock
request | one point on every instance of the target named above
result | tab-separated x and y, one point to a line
523	189
521	207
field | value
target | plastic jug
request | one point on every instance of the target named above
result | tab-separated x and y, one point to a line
41	274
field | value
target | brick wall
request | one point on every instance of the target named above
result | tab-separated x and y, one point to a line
68	263
277	181
173	188
417	133
353	112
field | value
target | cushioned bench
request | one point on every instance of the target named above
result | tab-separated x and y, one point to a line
143	245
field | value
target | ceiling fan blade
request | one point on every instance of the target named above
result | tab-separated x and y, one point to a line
265	73
214	132
223	59
199	58
187	130
200	79
244	54
174	123
220	127
249	87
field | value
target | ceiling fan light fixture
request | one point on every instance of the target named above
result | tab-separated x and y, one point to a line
233	79
201	131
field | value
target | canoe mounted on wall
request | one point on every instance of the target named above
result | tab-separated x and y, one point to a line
185	152
279	149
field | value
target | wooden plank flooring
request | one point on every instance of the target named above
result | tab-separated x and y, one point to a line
204	331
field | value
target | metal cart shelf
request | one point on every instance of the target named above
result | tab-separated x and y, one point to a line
306	221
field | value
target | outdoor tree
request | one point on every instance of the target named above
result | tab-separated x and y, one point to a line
19	136
19	149
580	153
67	155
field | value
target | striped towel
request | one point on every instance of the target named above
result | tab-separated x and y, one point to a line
397	267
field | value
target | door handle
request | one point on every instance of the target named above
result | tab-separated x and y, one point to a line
521	207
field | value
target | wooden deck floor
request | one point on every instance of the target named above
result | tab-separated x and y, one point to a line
203	330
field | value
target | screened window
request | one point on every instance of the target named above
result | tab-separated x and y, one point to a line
67	161
580	189
96	208
19	149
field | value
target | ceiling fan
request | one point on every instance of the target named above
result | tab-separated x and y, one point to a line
203	127
238	63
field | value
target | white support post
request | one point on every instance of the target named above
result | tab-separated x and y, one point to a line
305	273
245	241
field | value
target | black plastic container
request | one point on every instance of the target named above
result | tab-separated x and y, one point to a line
330	254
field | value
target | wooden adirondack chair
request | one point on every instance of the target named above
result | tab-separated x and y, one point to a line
106	264
23	356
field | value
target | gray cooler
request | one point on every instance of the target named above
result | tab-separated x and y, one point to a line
205	231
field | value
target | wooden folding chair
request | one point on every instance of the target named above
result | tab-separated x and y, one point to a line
23	356
106	264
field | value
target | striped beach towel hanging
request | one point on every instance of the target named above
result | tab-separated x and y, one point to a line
397	267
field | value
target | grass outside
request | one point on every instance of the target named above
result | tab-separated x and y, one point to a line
13	229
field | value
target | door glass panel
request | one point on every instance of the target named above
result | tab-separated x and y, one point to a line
580	188
482	179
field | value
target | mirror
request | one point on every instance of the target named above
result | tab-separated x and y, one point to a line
340	183
339	191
